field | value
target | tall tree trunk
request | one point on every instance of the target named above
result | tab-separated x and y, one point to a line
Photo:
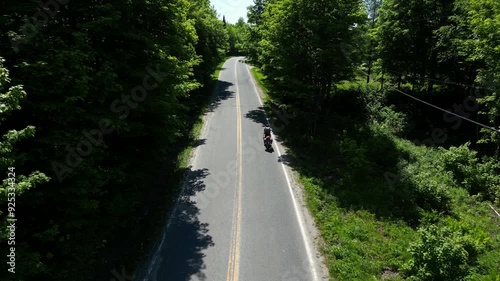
370	57
432	73
369	71
369	63
413	81
382	81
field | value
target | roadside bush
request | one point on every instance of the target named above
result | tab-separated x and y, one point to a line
431	190
381	114
420	181
441	254
478	177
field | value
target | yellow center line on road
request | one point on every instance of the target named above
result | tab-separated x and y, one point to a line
234	248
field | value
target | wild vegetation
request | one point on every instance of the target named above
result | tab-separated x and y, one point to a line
400	190
100	104
99	100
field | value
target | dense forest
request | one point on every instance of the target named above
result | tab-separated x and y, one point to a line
394	131
98	100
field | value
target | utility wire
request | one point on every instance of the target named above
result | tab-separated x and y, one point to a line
498	214
437	107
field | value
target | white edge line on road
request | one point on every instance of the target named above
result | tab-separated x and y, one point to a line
295	205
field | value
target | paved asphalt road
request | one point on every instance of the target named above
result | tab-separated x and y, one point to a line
237	218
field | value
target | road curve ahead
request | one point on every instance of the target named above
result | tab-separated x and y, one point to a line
237	218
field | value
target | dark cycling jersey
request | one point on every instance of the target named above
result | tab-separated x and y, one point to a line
267	132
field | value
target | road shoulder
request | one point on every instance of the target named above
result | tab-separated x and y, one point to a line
298	191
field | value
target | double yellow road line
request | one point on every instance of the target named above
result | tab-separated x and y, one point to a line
234	248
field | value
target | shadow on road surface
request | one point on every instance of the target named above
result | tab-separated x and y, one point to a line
198	142
222	93
258	116
186	238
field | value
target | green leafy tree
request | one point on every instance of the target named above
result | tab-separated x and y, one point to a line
483	19
237	36
212	39
372	7
407	39
254	34
306	48
108	84
17	183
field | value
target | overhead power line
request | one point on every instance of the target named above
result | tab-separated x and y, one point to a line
444	110
439	108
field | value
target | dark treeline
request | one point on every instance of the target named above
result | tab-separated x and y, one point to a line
443	51
340	69
98	98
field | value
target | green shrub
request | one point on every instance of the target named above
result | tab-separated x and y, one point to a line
393	121
431	190
478	177
382	115
421	180
441	255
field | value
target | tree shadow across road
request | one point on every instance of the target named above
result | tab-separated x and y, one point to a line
198	142
221	94
186	237
258	116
